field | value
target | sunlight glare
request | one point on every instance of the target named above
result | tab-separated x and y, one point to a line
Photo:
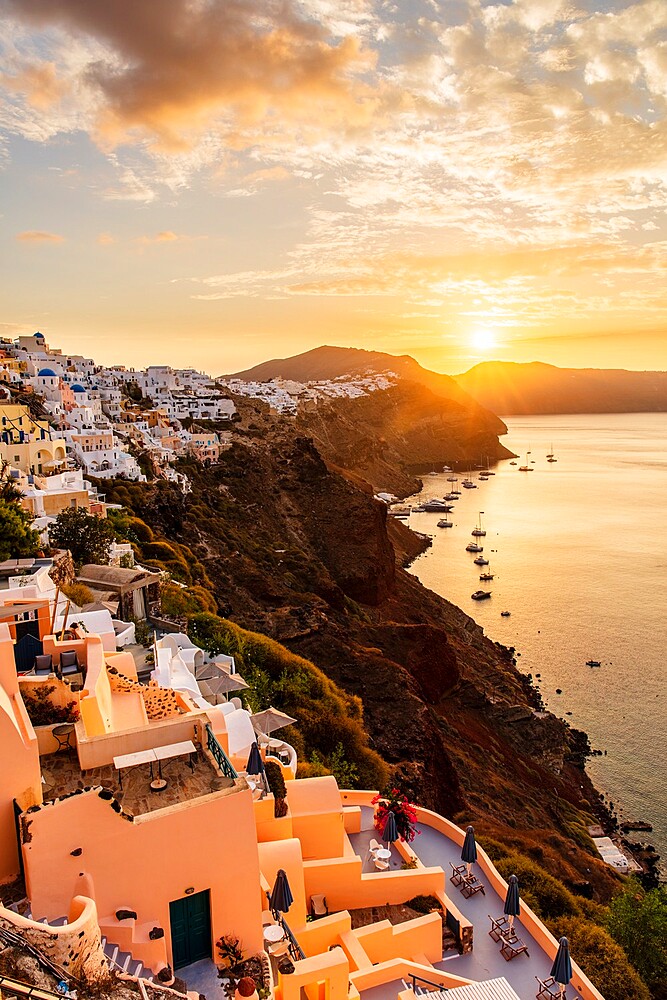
483	340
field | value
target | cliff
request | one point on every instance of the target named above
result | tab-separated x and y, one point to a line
389	437
510	389
290	548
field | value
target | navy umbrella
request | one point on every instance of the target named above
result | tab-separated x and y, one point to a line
512	908
255	763
469	850
281	897
561	970
390	831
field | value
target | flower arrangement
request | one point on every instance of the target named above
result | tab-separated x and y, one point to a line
393	800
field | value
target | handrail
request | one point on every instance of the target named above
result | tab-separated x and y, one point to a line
221	758
297	952
429	982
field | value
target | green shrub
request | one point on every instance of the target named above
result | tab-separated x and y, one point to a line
330	721
637	920
601	959
423	904
42	711
274	776
550	898
79	593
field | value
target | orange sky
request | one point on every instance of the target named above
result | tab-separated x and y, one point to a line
215	183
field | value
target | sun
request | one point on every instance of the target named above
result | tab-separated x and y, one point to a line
483	340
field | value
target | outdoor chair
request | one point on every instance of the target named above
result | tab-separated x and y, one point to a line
547	988
458	873
43	665
236	702
511	947
69	663
373	846
499	927
318	906
279	948
471	885
381	865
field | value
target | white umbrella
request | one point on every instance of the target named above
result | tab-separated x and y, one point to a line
271	719
216	680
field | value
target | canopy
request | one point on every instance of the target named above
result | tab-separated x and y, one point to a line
390	831
561	970
469	851
218	681
255	763
512	907
271	720
281	897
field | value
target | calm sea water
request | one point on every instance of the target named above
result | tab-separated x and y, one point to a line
579	553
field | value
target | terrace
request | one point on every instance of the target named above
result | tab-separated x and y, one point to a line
438	844
63	776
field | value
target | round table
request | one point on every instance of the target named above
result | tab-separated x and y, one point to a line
62	734
383	854
273	933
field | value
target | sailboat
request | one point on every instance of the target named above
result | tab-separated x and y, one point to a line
474	547
525	467
486	575
479	531
551	457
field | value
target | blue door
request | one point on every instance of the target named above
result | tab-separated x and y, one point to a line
190	919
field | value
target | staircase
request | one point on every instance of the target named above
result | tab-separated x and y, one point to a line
121	961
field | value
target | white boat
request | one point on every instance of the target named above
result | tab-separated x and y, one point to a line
444	523
437	506
481	595
467	484
481	561
474	547
452	479
479	531
452	496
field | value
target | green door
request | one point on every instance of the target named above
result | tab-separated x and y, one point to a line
190	919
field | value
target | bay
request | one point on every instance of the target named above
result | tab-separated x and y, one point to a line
578	549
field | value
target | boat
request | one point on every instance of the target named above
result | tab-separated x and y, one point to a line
481	595
512	463
400	512
486	575
474	547
452	496
468	484
444	523
593	663
551	453
452	479
437	506
505	614
479	531
481	561
552	459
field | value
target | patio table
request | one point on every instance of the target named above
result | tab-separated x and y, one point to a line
273	933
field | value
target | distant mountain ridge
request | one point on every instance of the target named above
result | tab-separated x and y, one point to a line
508	389
328	363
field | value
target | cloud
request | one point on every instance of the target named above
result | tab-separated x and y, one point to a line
168	72
105	239
39	236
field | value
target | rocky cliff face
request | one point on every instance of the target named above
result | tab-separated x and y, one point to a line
299	552
389	437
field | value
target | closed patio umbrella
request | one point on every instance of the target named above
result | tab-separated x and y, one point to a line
390	830
268	721
255	763
281	897
561	970
512	907
469	850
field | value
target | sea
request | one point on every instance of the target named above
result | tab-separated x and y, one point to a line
578	550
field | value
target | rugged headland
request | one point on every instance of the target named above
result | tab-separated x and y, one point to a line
512	389
289	546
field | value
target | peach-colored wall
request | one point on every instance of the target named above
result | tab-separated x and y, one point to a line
20	775
286	854
269	827
388	972
346	888
331	970
100	750
383	941
205	843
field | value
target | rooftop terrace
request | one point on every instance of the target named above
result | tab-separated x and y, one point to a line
62	776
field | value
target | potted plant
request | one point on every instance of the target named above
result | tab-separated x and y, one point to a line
274	776
246	989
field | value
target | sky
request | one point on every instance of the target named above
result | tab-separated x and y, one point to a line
218	182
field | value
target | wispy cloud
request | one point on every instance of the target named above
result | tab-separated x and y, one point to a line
39	236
